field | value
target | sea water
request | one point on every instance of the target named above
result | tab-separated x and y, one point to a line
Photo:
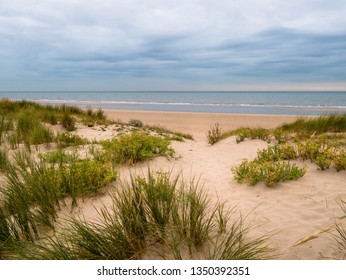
242	102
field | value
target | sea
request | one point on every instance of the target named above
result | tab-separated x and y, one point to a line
239	102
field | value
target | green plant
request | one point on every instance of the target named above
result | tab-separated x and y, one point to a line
164	131
136	123
323	161
66	139
214	134
68	122
339	161
59	157
134	147
317	125
84	177
3	160
340	236
277	153
271	173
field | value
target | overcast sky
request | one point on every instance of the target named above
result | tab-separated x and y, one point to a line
172	45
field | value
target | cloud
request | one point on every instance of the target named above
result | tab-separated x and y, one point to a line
173	42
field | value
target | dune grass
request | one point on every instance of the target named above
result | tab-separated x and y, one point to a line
34	190
333	123
340	236
155	211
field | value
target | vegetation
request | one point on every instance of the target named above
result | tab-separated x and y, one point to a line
167	132
33	190
340	236
136	123
214	135
271	173
135	147
155	211
320	140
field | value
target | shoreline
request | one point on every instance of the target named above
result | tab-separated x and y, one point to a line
236	109
198	124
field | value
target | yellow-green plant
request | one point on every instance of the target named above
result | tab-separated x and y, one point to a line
214	135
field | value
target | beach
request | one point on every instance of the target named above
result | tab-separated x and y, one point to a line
199	123
299	214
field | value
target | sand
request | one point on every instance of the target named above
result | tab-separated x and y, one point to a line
294	211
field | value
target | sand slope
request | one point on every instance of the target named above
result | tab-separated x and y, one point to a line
294	211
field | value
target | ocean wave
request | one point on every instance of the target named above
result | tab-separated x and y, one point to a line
151	103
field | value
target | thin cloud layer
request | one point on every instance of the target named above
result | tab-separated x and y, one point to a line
154	44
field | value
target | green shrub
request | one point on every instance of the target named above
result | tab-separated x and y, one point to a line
271	173
136	123
339	161
214	134
135	147
277	153
323	161
250	133
84	177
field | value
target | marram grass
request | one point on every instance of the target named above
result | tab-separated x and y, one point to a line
156	214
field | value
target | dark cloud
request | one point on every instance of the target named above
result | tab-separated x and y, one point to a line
189	42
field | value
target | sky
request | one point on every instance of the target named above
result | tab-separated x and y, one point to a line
172	45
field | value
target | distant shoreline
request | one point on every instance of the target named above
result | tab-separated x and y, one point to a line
280	110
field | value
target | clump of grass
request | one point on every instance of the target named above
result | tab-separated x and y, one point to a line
327	123
155	210
68	122
340	236
135	147
214	135
33	190
59	157
3	160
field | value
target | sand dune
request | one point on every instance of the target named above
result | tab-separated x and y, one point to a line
300	213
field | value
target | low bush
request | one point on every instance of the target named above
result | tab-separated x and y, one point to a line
277	153
339	160
136	123
271	173
135	147
248	133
